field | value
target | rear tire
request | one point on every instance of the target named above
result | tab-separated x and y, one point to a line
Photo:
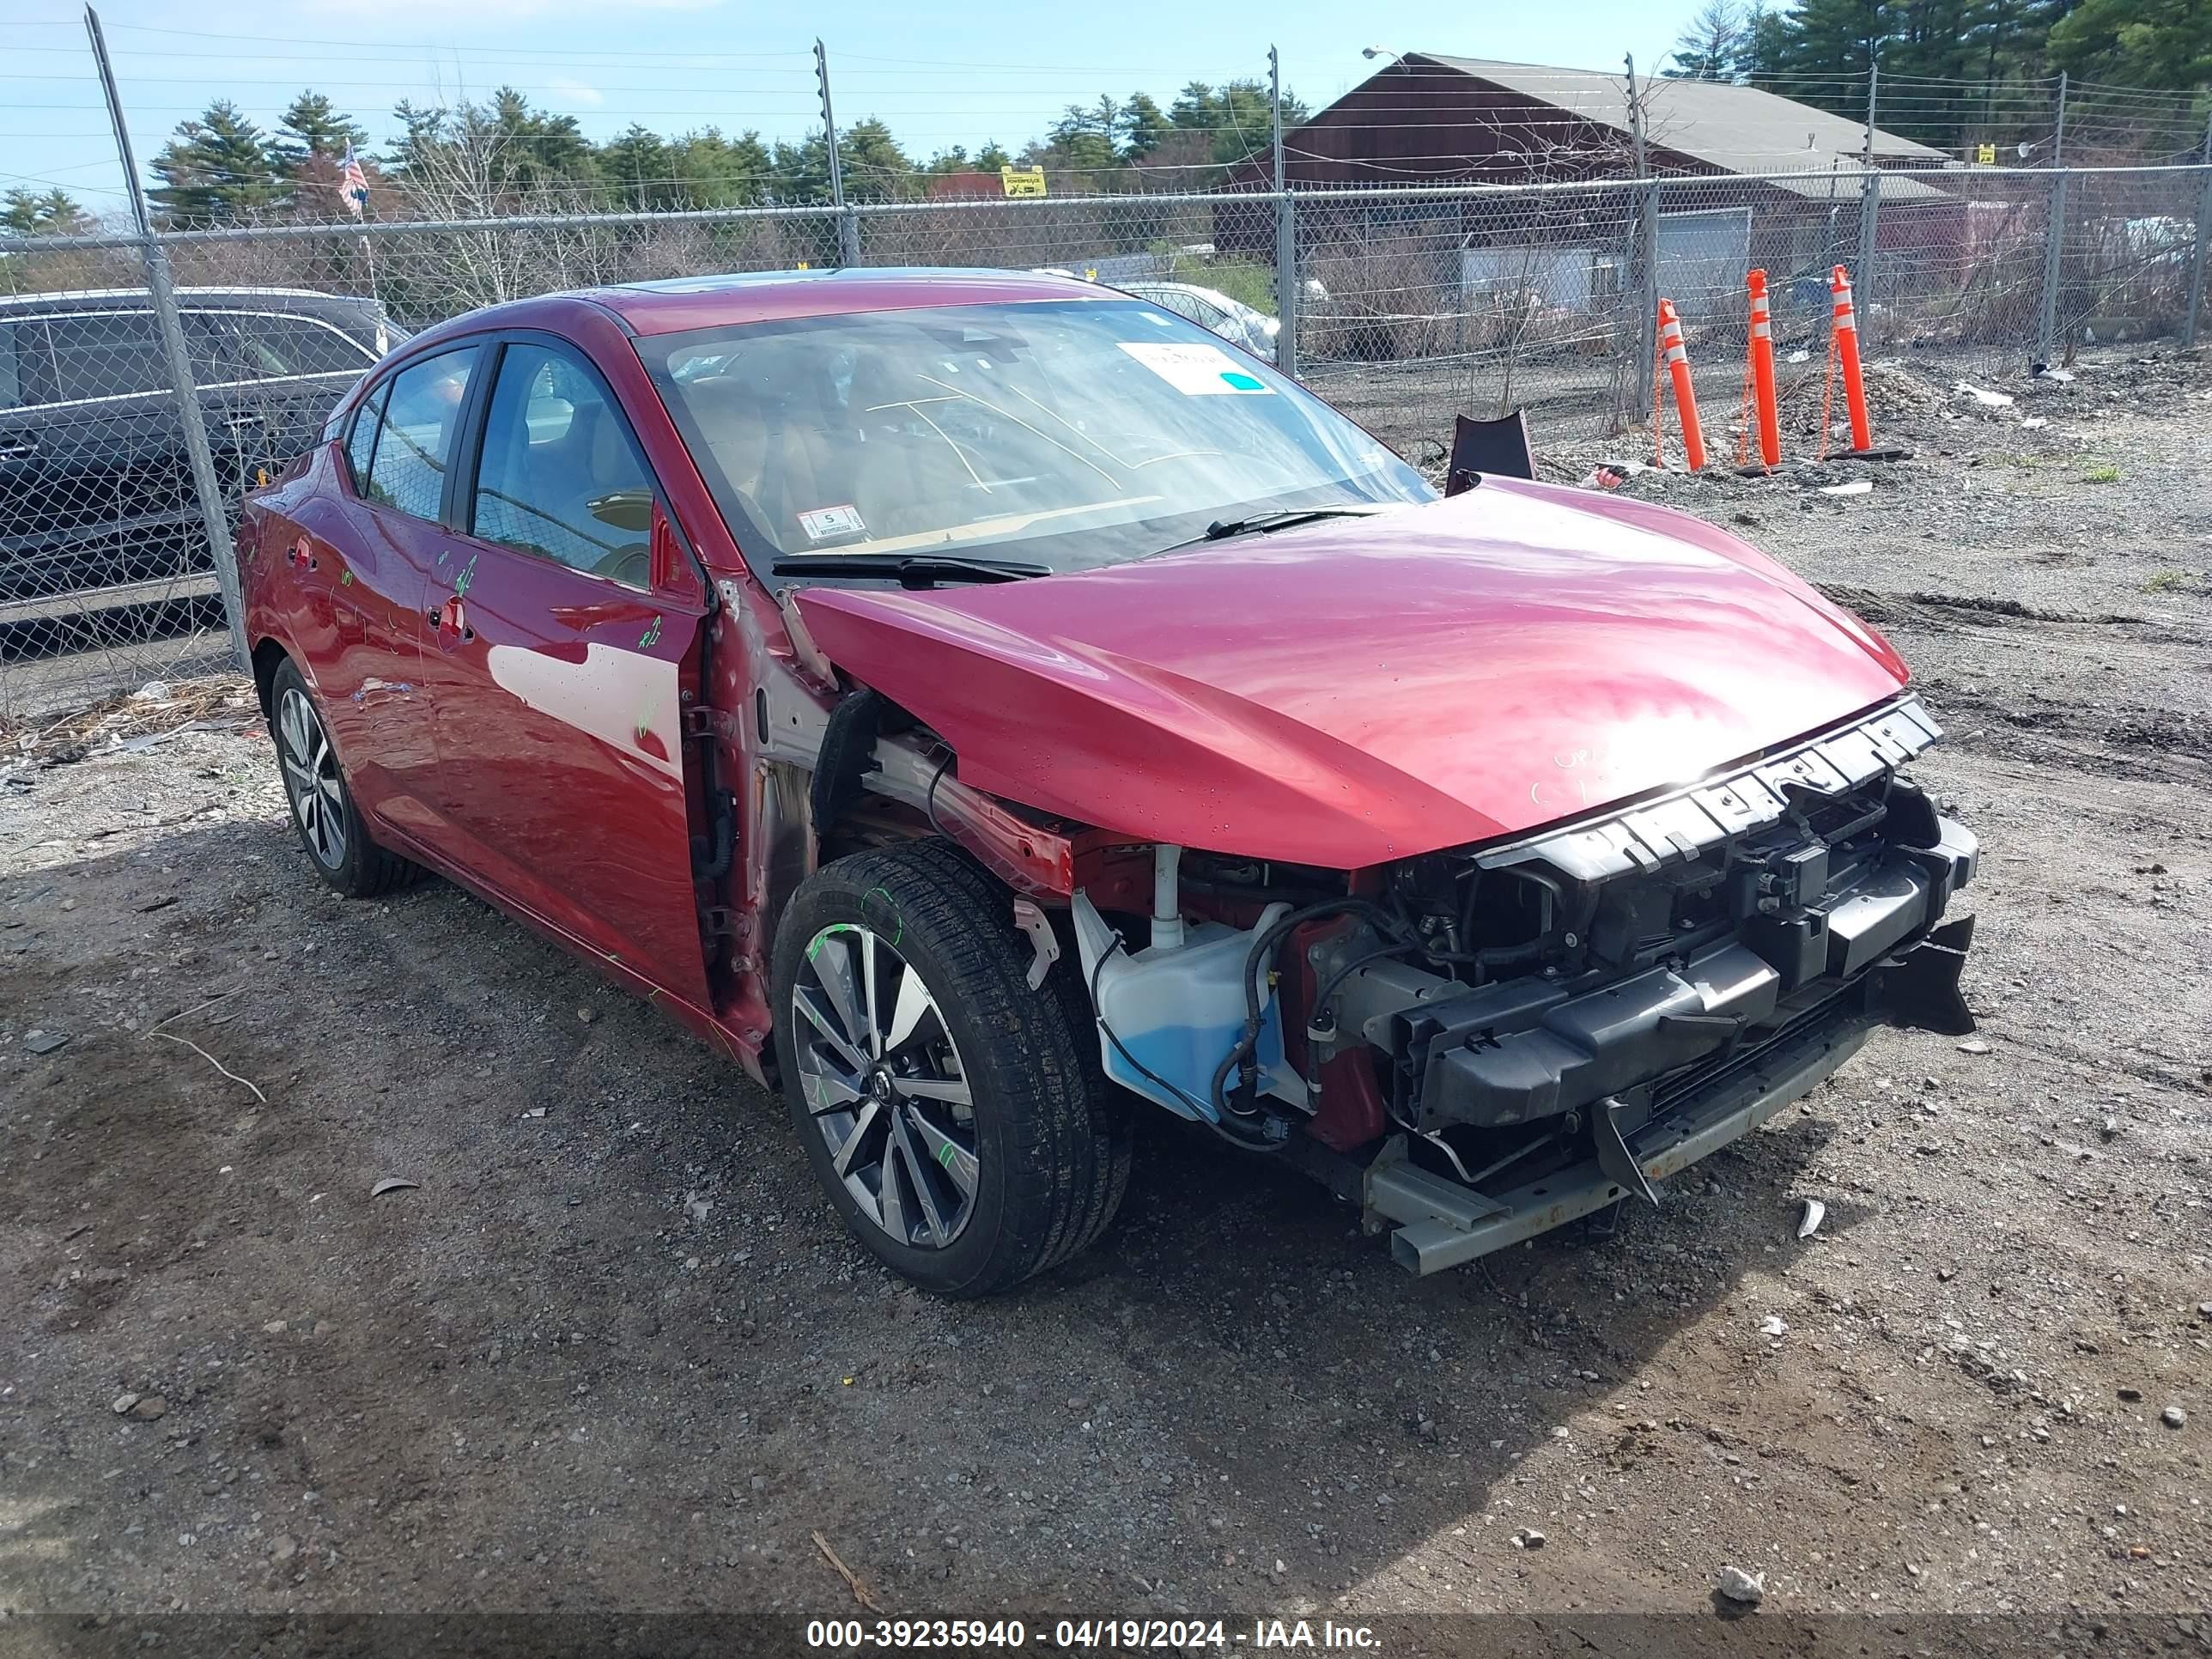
954	1116
328	823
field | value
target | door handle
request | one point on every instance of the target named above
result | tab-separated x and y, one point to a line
16	449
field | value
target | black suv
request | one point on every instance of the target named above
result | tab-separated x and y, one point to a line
97	502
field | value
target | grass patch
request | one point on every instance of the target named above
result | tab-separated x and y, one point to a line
2106	474
2171	581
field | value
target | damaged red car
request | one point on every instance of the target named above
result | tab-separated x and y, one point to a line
990	705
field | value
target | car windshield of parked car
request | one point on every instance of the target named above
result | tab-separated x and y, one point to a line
1069	434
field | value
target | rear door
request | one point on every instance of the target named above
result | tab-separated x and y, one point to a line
565	653
376	576
100	490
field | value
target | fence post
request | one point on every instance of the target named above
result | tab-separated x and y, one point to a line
214	522
1286	235
1869	211
2203	245
849	226
2046	324
1647	253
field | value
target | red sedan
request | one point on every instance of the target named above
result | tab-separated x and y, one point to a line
982	703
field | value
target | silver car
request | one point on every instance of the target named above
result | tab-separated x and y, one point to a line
1209	307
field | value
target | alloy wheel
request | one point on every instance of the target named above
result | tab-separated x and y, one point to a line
883	1084
311	778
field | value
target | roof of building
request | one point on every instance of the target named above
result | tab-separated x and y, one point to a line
1737	128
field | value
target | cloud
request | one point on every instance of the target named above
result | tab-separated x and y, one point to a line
577	92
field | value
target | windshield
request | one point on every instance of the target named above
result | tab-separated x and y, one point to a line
1069	434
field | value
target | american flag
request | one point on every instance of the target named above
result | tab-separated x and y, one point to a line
353	183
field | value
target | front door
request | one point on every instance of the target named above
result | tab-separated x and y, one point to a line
558	674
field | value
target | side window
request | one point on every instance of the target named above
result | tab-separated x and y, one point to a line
421	418
11	377
362	443
560	476
1179	303
105	355
238	345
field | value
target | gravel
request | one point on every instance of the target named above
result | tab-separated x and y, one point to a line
546	1378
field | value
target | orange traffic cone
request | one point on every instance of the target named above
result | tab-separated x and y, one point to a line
1761	375
1843	348
1686	394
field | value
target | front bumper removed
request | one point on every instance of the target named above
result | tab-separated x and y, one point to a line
1632	1140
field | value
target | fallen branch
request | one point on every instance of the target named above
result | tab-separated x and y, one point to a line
234	1077
854	1582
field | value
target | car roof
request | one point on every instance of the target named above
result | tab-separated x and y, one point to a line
68	299
689	302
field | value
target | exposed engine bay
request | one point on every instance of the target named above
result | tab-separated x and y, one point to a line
1477	1046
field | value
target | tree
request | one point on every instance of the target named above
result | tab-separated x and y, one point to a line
639	170
1711	48
715	171
313	126
1837	39
50	213
1145	125
214	169
2164	44
1082	140
876	169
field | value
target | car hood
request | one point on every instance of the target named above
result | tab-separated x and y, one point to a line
1364	690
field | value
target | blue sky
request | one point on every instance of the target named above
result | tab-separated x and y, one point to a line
676	64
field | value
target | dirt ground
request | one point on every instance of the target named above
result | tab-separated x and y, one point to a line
613	1351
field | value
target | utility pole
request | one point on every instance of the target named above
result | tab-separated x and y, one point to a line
2203	245
213	521
1869	210
1286	235
2047	325
848	228
1647	246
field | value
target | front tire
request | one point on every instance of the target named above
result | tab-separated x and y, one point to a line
323	812
953	1115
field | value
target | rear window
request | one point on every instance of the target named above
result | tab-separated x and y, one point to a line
105	355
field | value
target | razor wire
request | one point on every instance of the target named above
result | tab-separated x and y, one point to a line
1413	303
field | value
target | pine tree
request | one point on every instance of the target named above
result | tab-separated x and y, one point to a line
2135	43
639	170
715	171
312	125
214	169
1144	124
50	213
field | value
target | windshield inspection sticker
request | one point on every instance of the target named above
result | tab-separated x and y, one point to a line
825	523
1197	371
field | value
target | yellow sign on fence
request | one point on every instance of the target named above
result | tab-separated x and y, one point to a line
1986	154
1022	181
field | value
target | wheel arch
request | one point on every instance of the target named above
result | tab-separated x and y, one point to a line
266	658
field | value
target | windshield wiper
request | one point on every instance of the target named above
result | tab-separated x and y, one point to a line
916	570
1260	524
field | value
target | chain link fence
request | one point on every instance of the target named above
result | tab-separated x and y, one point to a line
1406	305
